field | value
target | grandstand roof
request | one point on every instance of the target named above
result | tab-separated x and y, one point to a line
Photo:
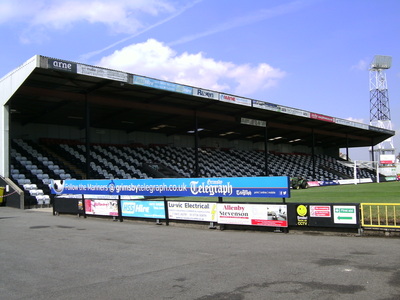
55	92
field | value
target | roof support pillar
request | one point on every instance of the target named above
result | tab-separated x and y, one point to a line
87	136
266	151
196	146
372	151
313	153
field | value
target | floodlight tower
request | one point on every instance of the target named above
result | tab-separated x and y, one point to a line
380	110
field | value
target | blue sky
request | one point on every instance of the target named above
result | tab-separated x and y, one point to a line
308	54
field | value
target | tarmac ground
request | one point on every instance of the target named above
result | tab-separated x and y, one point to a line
43	256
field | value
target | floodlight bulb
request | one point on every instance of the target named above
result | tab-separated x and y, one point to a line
381	62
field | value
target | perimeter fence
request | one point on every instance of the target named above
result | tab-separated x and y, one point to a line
380	215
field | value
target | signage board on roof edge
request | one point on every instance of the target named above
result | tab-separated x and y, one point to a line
102	73
265	105
205	94
322	118
234	99
162	85
61	65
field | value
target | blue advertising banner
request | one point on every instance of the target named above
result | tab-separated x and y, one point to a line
143	209
162	85
273	187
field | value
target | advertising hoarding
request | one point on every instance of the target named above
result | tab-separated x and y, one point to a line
192	211
322	118
387	159
101	207
351	123
162	85
273	187
266	105
102	73
273	215
143	209
205	94
294	111
324	215
234	99
61	65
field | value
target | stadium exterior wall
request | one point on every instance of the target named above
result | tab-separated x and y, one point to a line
9	84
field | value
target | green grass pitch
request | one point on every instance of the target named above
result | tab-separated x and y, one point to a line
384	192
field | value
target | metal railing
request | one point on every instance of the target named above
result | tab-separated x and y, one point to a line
380	215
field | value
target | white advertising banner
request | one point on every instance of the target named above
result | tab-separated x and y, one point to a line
294	111
192	211
205	94
274	215
234	99
266	105
102	73
101	207
387	159
351	123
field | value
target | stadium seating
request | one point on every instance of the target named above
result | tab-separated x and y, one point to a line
34	164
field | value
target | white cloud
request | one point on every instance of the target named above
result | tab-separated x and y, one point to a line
251	79
362	65
231	24
17	11
154	59
122	16
177	13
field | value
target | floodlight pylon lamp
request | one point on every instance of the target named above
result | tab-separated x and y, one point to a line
381	62
379	102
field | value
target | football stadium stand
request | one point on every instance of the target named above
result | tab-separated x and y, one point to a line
33	164
65	120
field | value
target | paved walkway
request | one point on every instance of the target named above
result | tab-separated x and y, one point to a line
65	257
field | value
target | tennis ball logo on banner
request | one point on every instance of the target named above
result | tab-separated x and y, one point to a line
302	215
